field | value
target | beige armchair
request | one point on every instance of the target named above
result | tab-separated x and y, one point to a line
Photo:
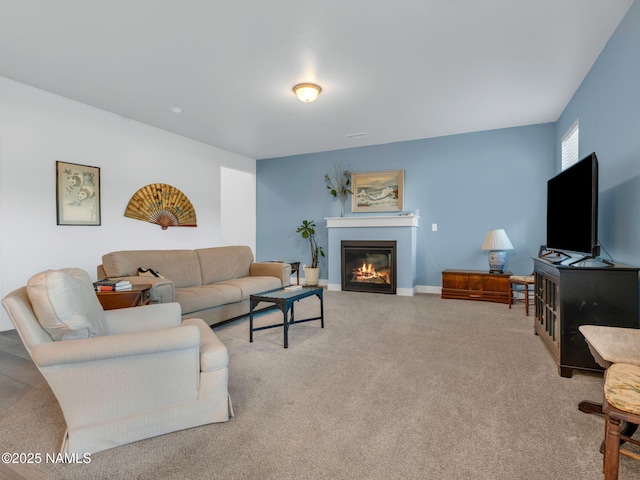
119	375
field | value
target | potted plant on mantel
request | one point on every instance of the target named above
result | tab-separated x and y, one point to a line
308	232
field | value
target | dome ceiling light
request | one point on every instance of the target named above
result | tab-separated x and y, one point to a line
307	92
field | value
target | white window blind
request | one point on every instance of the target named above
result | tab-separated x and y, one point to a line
570	146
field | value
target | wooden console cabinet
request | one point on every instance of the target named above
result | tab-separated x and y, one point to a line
567	297
476	285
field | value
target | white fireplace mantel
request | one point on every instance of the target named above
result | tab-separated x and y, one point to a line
373	221
401	228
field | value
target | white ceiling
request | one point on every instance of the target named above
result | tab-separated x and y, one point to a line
397	70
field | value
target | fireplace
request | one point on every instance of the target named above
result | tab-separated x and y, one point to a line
369	266
401	228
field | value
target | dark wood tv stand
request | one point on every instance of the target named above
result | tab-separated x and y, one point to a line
569	296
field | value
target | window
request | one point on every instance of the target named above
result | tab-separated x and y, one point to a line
570	146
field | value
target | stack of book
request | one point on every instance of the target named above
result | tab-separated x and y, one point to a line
106	285
292	288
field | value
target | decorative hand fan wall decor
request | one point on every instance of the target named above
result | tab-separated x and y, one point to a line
162	204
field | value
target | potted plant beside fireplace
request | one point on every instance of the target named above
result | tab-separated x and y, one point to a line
308	232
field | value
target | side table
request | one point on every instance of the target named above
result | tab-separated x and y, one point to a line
295	267
136	296
610	345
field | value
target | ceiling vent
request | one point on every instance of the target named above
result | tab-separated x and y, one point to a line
357	135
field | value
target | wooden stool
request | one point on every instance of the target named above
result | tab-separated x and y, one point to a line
515	282
621	404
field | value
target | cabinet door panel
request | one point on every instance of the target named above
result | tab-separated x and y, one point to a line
495	284
476	282
452	280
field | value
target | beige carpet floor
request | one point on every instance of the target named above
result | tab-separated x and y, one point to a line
393	387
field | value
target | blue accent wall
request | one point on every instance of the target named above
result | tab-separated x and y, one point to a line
467	184
607	104
470	183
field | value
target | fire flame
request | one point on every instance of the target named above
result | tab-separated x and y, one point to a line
365	272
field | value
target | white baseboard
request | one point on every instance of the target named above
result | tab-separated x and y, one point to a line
405	292
402	292
429	289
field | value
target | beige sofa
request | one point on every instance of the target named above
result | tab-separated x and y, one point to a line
209	283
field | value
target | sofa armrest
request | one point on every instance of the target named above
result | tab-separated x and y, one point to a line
121	375
213	353
112	347
148	317
272	269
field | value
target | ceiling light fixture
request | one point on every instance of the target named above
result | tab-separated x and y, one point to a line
307	92
176	110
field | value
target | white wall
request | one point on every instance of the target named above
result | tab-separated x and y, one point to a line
238	189
37	128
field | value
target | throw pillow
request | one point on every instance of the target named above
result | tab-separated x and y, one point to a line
66	304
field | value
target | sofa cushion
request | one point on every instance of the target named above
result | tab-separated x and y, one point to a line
222	263
194	299
250	285
180	266
66	304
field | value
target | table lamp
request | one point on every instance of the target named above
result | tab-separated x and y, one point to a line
497	242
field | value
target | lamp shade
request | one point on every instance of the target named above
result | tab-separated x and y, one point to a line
497	240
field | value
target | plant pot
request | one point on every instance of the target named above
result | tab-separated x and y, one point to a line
311	275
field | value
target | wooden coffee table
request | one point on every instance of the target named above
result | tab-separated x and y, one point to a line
284	300
136	296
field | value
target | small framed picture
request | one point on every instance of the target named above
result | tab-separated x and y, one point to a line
77	194
378	191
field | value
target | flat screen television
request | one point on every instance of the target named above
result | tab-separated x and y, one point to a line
572	209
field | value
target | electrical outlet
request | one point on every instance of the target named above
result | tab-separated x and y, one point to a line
434	227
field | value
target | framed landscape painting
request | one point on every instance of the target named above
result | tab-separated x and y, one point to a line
77	194
378	191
